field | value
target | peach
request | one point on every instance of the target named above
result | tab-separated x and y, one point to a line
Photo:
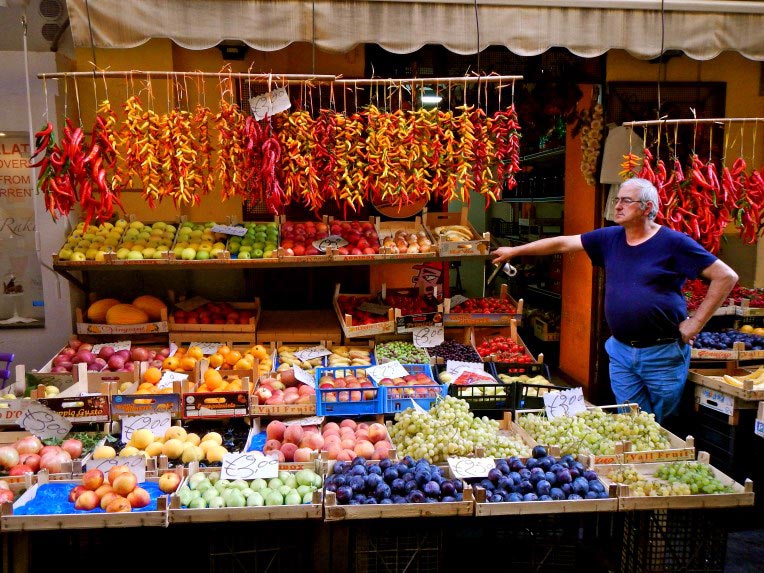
271	445
76	491
365	449
108	498
169	482
348	443
139	497
332	452
331	427
293	434
307	399
291	398
305	390
103	490
124	483
361	435
277	398
93	479
383	445
119	505
377	432
313	441
348	423
86	501
302	455
275	430
288	450
331	440
116	470
310	429
362	426
345	456
278	454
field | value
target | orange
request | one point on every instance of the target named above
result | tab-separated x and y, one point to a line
258	351
213	379
234	386
171	363
152	375
223	350
167	390
188	363
217	360
232	357
195	352
243	364
202	388
146	387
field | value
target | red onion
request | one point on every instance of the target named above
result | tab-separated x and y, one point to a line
58	360
116	361
83	356
125	354
129	366
72	447
59	369
139	354
85	346
74	345
105	352
31	460
97	365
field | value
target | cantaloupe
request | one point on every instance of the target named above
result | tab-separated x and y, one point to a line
97	311
126	314
151	305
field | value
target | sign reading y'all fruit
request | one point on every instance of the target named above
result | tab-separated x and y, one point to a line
313	352
330	242
230	230
471	467
136	464
303	376
116	346
249	466
43	422
157	422
564	403
428	336
392	369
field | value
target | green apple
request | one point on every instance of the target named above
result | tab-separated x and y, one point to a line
122	253
245	255
65	254
188	254
257	254
148	252
77	256
135	256
202	255
268	254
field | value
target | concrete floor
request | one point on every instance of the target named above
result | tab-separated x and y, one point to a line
745	551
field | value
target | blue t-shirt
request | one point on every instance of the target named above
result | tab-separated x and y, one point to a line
643	296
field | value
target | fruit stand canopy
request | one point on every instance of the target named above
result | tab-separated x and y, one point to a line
700	28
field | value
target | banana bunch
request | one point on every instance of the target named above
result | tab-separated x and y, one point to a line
757	376
457	233
287	359
349	356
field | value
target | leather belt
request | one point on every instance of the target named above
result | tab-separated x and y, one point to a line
648	343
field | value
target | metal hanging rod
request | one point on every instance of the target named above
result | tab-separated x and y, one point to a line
453	80
694	121
159	74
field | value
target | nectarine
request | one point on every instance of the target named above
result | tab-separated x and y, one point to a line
86	501
93	479
117	470
293	434
124	483
119	505
139	497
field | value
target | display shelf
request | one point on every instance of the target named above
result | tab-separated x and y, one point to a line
543	292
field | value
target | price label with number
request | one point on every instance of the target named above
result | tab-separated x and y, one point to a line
136	464
168	377
456	367
208	348
330	242
418	408
458	299
304	377
564	403
310	353
43	422
248	466
428	336
393	369
229	230
310	421
266	105
158	423
471	467
120	345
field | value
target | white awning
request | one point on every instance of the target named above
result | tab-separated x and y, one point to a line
700	28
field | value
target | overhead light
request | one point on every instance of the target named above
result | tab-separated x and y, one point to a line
2	134
430	97
233	50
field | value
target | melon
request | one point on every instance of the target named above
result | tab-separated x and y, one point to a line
151	305
97	311
126	314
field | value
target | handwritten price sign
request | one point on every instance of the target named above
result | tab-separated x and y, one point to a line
43	422
428	336
392	369
229	230
304	377
471	467
168	377
120	345
310	421
310	353
136	464
158	423
565	403
456	367
208	348
330	242
267	104
457	300
418	408
248	466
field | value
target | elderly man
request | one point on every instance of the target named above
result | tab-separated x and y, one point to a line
645	267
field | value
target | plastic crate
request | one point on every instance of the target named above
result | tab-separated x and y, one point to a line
393	398
406	547
482	396
673	540
326	407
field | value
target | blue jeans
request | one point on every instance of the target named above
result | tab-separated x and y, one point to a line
652	377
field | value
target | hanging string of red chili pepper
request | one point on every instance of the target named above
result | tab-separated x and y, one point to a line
505	132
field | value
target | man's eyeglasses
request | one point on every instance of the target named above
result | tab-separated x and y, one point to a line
626	201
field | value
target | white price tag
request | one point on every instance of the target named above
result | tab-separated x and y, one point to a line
304	377
121	345
392	369
428	336
248	466
43	422
266	105
208	348
136	464
471	467
456	367
310	353
457	300
310	421
158	423
564	403
168	377
467	377
330	242
173	349
418	408
229	230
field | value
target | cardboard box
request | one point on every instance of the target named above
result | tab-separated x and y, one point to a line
477	245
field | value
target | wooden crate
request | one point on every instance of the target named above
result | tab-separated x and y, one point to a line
742	495
483	319
182	333
283	257
334	512
63	380
315	463
340	351
713	378
196	405
387	229
81	520
278	410
713	354
722	402
89	328
542	332
365	330
383	254
298	325
745	309
10	437
482	334
479	244
128	403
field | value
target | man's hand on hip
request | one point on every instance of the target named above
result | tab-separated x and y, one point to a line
689	329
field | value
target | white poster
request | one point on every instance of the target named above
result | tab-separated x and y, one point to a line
21	298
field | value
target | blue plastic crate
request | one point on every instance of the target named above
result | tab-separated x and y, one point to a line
325	406
395	399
